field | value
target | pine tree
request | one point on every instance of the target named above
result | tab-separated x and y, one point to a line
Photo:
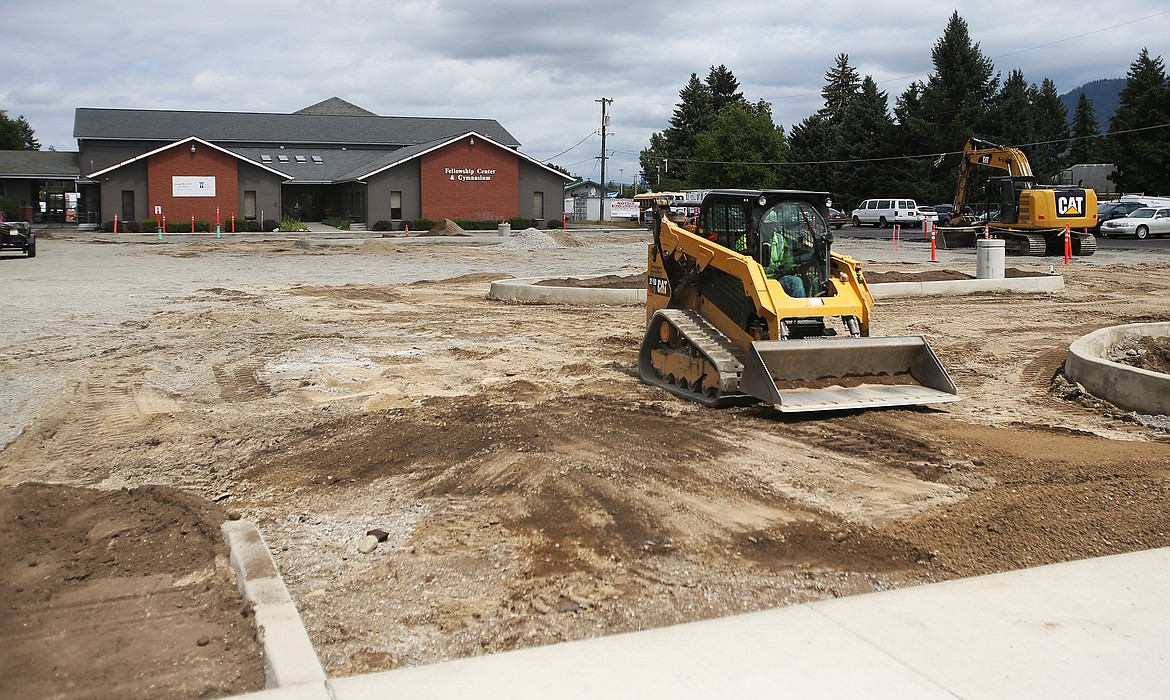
723	88
862	139
842	84
1010	119
1086	141
957	96
671	159
16	134
1142	153
809	150
1050	135
692	116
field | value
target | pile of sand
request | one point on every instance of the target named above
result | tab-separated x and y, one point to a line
446	227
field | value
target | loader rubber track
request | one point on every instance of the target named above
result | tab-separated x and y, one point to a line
720	385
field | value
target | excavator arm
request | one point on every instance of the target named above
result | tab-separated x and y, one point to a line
980	152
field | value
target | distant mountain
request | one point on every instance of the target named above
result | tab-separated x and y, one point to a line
1104	94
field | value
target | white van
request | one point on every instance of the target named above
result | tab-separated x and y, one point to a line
887	212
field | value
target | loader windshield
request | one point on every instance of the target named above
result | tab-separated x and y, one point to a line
796	233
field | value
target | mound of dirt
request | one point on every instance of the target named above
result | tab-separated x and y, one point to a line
605	282
146	567
446	227
928	276
939	275
1145	352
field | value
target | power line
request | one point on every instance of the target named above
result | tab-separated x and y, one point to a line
588	136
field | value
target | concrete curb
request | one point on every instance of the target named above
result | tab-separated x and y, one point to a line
527	290
1043	283
289	657
1131	388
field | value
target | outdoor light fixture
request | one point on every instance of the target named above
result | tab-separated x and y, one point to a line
192	148
472	141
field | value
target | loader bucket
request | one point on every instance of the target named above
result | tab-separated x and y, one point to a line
841	374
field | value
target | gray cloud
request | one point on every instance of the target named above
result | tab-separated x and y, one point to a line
537	67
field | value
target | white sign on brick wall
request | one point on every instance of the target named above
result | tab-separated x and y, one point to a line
192	186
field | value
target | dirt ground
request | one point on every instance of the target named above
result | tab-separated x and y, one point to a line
124	593
531	489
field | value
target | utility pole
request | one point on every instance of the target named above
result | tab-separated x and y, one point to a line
604	126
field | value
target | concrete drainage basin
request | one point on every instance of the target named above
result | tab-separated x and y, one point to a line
1129	387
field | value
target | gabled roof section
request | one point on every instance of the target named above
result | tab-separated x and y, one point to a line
319	165
582	181
41	165
184	142
335	107
254	129
404	154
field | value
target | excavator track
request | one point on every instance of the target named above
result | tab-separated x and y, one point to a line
1084	244
692	359
1021	243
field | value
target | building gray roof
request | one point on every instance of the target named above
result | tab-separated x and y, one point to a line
402	155
46	165
335	164
253	129
336	107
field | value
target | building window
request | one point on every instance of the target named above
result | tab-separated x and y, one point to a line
538	205
250	205
395	205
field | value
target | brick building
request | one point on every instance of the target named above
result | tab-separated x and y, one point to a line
330	159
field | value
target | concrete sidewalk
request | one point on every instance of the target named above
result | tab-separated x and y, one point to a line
1097	628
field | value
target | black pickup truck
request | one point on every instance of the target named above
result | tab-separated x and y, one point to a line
18	235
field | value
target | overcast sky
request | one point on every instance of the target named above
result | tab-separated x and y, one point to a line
536	66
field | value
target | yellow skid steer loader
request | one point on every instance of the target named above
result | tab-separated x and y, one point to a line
738	308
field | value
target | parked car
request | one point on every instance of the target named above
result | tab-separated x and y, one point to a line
887	212
1140	223
1114	210
837	218
18	235
946	212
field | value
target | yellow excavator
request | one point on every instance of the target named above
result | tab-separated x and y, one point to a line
741	307
1030	217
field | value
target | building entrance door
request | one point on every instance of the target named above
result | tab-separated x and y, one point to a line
128	205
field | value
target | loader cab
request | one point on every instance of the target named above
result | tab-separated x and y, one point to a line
758	223
794	242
